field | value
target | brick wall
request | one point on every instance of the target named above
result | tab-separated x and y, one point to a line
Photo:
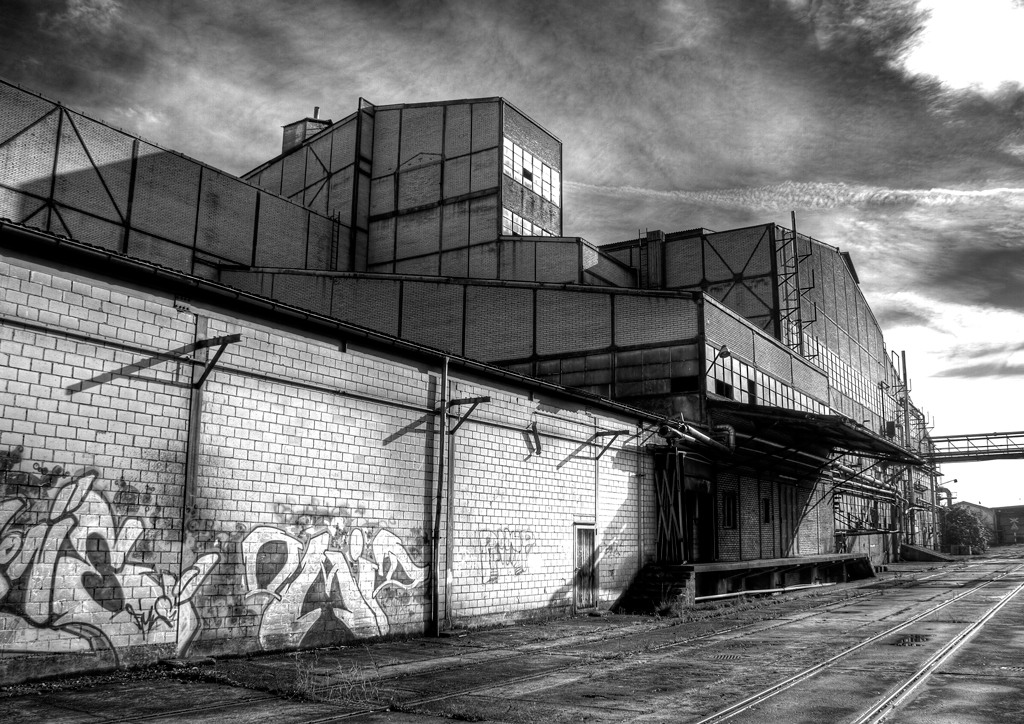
303	514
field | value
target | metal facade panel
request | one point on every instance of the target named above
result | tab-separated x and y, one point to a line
558	261
715	268
370	303
645	320
772	358
382	195
432	315
281	237
166	192
315	197
486	121
111	152
362	212
381	243
483	261
455	225
486	170
343	148
456	177
418	233
158	251
426	265
572	322
483	219
743	301
294	178
720	329
737	247
18	110
227	211
319	160
304	291
340	194
26	162
842	317
270	177
21	208
422	134
91	230
385	142
683	265
458	128
78	183
455	263
531	137
809	380
828	283
419	186
518	260
321	241
499	323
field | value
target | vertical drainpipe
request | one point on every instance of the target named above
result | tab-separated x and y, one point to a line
435	618
449	533
639	500
911	496
597	520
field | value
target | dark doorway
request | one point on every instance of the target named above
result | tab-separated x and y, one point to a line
685	509
585	578
789	516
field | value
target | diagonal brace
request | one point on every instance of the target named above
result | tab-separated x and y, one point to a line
223	343
613	434
472	402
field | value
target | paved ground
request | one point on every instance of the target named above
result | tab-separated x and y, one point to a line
948	634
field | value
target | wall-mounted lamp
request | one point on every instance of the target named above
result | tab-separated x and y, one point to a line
723	353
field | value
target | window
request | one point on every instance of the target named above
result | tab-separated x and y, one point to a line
512	224
728	510
766	510
523	167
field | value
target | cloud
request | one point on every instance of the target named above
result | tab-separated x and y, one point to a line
984	369
889	316
82	19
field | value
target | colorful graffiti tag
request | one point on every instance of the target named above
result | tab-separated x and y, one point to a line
328	576
506	549
69	580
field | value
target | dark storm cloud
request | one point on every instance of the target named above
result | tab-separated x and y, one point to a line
889	316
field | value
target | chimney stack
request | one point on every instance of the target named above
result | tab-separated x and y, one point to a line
296	133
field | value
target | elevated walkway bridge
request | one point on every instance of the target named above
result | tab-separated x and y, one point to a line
977	447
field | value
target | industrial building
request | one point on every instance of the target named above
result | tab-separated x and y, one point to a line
371	388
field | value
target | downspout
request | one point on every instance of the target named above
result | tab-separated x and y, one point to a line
449	531
442	410
911	493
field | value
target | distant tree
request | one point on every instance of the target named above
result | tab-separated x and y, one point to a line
961	527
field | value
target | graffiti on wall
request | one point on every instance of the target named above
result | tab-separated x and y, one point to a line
70	578
329	578
506	550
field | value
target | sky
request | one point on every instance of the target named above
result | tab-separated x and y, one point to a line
894	129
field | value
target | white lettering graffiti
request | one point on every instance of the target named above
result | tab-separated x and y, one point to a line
296	582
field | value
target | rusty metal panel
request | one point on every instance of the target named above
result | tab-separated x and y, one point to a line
385	142
227	211
483	219
683	265
432	315
166	191
158	251
458	129
483	261
19	110
111	152
418	233
558	261
456	177
499	323
78	183
294	175
422	137
419	186
455	225
281	237
26	162
486	170
723	329
381	243
645	320
486	131
572	322
91	230
773	358
371	303
343	150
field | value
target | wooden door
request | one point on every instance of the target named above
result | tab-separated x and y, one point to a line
585	577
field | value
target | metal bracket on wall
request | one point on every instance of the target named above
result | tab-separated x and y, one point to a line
532	429
473	402
221	343
613	434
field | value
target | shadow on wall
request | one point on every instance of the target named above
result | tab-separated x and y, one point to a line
70	175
